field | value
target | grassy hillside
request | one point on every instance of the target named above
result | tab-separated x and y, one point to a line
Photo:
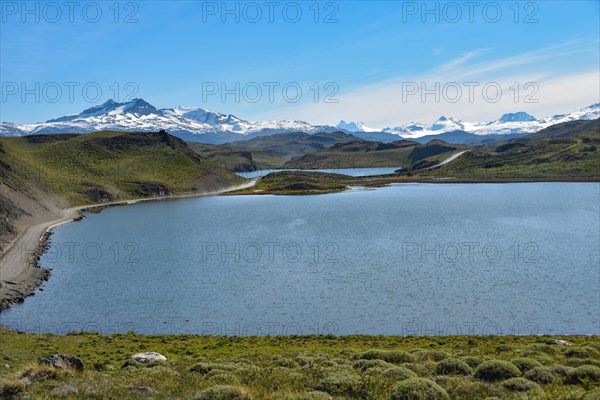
544	155
238	158
562	130
288	145
294	182
403	153
106	166
304	367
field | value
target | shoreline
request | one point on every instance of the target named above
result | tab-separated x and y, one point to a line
386	180
20	272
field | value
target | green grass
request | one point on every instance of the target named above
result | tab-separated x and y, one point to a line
292	367
361	154
239	158
299	182
576	156
113	165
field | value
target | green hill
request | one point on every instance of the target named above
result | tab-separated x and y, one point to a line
238	158
363	154
106	166
288	145
562	130
560	152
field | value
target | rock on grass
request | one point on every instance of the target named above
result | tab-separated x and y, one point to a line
63	361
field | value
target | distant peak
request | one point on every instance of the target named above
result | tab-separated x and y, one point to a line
520	116
138	102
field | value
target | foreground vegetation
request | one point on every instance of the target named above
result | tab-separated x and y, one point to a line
303	367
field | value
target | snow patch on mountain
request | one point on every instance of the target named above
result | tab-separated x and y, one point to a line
511	123
356	127
139	115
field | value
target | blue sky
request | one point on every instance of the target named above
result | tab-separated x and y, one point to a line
365	55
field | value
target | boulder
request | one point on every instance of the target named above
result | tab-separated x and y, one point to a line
148	357
62	361
559	342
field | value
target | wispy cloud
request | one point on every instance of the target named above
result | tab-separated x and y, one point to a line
553	89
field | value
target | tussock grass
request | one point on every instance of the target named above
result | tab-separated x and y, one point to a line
299	368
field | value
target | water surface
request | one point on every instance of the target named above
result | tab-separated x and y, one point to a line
343	171
416	259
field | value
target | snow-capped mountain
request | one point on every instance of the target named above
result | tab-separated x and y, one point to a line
198	124
511	123
355	127
192	123
447	124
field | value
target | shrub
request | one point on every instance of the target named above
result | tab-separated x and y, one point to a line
134	363
473	362
576	362
436	355
339	383
519	384
247	373
397	373
496	370
392	356
224	392
430	355
204	368
594	345
562	371
525	363
582	352
418	389
464	388
284	362
583	373
12	389
503	348
425	368
538	348
543	375
542	358
222	377
314	395
41	373
364	365
592	396
453	366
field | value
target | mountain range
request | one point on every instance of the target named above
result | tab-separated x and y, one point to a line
511	123
200	125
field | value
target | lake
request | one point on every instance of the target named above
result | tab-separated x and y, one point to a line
343	171
408	259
